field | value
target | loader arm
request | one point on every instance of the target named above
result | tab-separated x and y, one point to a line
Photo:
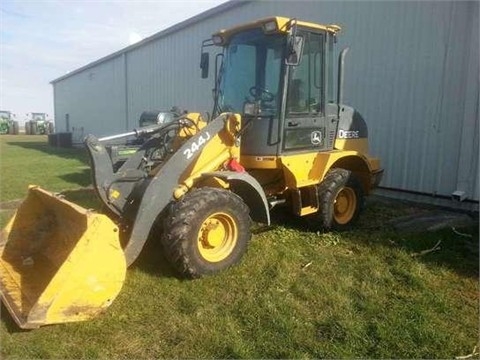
114	188
137	197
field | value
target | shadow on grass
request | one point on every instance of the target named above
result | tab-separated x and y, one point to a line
282	216
82	178
66	153
459	248
459	253
85	197
153	261
8	321
456	249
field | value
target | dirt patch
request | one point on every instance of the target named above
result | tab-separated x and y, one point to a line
431	221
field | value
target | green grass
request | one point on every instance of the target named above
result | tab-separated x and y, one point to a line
29	160
296	294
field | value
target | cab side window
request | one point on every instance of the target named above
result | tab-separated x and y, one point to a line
305	90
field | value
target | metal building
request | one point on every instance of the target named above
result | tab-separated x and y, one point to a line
412	71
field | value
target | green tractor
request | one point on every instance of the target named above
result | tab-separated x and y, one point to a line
7	124
38	124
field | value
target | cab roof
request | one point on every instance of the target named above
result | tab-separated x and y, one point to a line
283	25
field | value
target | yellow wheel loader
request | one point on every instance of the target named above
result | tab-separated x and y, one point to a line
278	135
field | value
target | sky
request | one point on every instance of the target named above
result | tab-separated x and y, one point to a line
43	40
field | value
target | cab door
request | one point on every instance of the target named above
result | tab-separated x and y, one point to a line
305	120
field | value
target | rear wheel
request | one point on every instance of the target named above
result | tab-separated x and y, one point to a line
341	200
206	232
33	128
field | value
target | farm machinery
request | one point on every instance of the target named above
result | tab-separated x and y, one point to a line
38	124
277	136
7	123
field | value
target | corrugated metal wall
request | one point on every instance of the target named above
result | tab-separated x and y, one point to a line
412	71
93	100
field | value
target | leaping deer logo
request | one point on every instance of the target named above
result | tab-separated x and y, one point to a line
316	137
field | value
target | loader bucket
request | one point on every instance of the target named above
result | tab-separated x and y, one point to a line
58	262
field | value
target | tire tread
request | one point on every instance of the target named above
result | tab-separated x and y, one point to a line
181	221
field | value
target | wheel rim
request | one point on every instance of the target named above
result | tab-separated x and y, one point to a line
345	205
217	237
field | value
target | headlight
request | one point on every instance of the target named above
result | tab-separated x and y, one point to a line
161	118
164	117
217	39
270	26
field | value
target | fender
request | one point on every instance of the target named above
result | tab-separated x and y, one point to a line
250	190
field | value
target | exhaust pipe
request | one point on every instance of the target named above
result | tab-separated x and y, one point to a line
341	72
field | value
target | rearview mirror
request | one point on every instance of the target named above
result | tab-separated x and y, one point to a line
204	64
295	50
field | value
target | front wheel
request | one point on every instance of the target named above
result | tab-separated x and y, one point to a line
341	200
205	232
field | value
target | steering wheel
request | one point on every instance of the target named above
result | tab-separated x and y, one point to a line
262	93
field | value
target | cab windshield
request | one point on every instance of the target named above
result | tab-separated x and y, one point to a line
251	72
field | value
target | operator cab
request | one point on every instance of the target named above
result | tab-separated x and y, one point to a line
278	73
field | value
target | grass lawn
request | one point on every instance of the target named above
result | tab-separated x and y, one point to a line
26	160
296	294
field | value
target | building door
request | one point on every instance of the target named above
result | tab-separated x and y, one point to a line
67	122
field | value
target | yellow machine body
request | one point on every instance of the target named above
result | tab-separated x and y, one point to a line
274	24
61	263
58	262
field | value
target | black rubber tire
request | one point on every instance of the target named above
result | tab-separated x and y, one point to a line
33	128
15	128
182	225
336	181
